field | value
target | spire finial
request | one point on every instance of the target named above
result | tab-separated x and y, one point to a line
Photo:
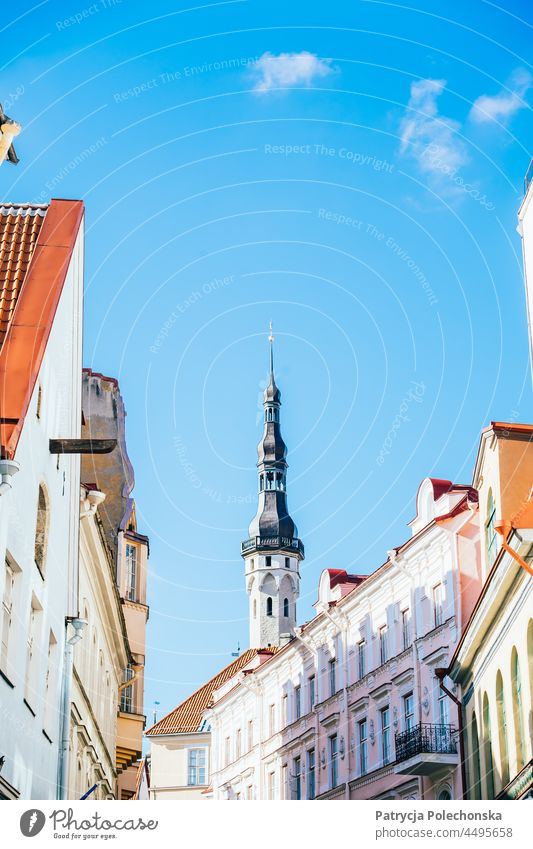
271	341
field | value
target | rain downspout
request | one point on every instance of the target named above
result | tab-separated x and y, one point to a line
68	663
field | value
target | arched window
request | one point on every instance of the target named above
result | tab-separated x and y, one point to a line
255	608
502	729
487	749
516	686
41	529
444	795
269	606
490	530
476	764
286	607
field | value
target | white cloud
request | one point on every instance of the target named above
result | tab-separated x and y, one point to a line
431	139
502	106
289	69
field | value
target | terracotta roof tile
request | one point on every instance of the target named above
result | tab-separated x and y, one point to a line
187	716
20	225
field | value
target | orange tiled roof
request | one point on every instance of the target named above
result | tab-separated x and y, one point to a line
187	716
19	227
37	243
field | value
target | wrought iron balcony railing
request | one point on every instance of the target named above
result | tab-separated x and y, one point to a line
425	738
272	542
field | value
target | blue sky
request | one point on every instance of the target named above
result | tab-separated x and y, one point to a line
351	172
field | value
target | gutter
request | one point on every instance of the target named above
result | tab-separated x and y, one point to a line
441	674
504	528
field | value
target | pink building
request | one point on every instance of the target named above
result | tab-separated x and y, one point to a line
352	707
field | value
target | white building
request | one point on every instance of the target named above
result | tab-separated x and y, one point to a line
41	288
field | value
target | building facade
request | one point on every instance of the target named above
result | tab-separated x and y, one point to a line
352	707
493	663
41	289
99	660
104	417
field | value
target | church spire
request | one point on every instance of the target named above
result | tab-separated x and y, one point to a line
273	550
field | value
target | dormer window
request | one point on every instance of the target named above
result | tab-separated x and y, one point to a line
131	572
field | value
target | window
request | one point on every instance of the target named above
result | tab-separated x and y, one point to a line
516	687
333	760
250	791
311	774
126	696
408	712
361	670
269	606
32	652
297	702
271	720
475	791
286	608
332	677
363	748
271	785
490	530
197	773
444	717
438	605
50	685
250	734
255	608
41	530
385	735
227	751
238	738
131	572
287	562
252	564
502	729
296	779
7	615
406	629
383	644
285	709
312	693
487	748
268	561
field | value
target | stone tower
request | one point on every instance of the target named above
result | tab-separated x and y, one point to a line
273	552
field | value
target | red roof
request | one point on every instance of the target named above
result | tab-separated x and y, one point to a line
36	245
187	716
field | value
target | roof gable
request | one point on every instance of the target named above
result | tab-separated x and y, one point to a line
36	247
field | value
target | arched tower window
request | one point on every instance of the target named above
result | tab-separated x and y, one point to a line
255	608
269	606
476	764
490	530
286	607
502	729
516	685
41	529
487	749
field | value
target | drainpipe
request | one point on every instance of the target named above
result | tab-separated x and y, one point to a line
68	662
8	468
504	528
441	674
314	652
394	558
342	628
257	691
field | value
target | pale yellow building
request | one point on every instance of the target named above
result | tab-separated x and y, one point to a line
100	658
104	418
493	662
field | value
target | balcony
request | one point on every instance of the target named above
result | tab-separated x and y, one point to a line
426	749
268	543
